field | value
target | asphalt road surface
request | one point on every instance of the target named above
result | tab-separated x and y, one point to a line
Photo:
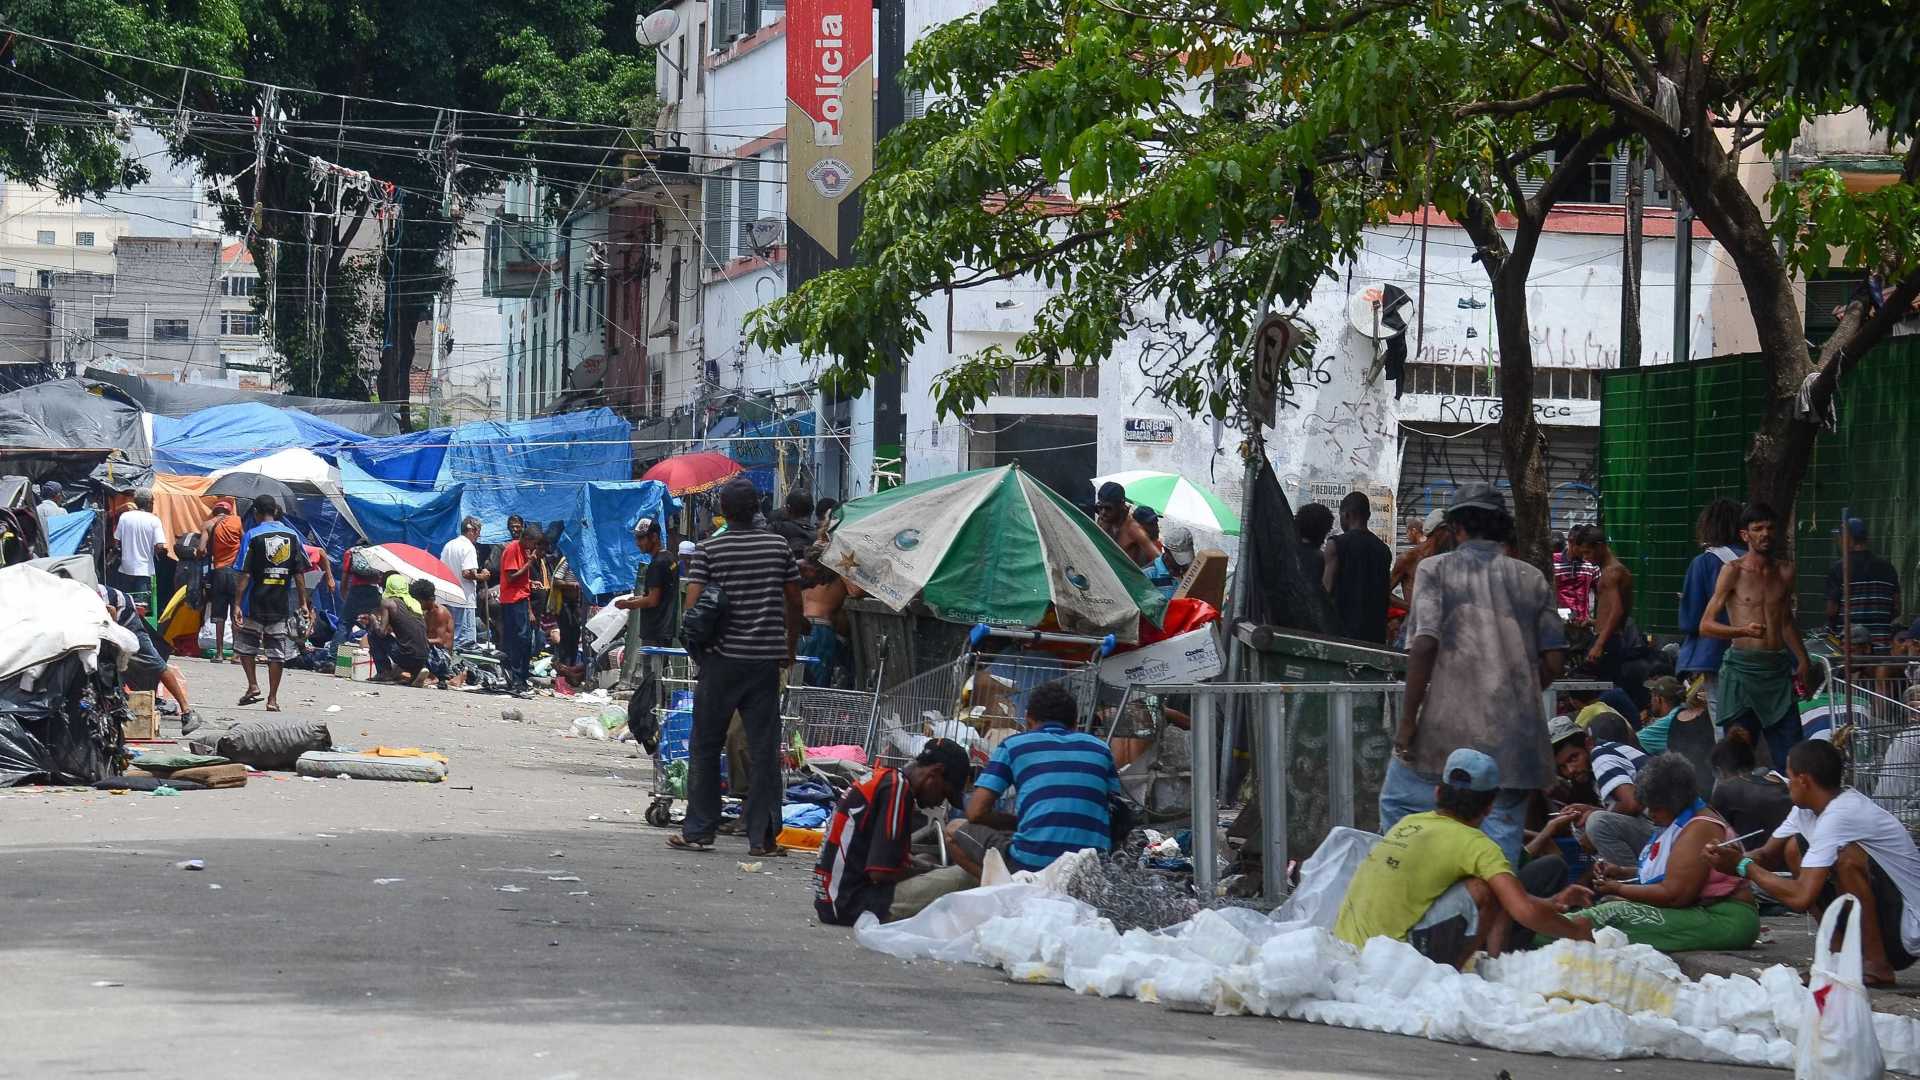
521	920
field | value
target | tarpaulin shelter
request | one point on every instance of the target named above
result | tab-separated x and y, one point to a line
60	430
180	502
172	399
229	435
535	467
67	534
393	514
411	461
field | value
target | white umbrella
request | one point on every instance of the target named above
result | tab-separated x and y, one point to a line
298	467
1176	498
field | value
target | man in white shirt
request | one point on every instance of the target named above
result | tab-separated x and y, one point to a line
463	558
1836	841
141	539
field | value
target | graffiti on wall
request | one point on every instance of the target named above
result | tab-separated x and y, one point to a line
1435	466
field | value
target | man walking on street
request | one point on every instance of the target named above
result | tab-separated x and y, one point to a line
272	571
516	632
1358	565
1757	675
759	586
141	539
1485	637
654	596
463	558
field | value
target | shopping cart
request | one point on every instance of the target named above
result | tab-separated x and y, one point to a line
809	716
979	698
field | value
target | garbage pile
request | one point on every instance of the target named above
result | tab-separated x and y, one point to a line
61	706
1603	999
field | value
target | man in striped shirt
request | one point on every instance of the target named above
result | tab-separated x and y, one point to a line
1869	588
1618	832
1064	779
866	862
754	571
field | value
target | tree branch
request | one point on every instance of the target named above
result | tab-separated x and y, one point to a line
1858	334
1526	104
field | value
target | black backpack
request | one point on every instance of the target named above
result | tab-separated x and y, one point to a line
701	626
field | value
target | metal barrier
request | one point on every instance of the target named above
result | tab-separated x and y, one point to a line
1878	733
1359	715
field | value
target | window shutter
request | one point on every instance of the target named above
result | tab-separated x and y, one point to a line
714	239
736	19
749	184
1534	173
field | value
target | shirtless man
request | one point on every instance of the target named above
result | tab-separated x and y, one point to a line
823	598
1618	651
1437	540
1759	673
439	619
1115	518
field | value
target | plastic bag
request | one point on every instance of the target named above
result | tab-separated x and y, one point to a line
945	929
1837	1041
1324	878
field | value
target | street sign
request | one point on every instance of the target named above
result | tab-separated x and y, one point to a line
1271	345
1148	429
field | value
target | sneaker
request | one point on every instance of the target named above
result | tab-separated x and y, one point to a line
189	722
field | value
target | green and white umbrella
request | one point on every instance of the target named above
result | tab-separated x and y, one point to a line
994	546
1177	498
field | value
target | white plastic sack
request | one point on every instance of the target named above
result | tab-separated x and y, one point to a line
608	625
945	929
1837	1040
1324	878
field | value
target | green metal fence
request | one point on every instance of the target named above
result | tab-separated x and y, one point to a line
1675	436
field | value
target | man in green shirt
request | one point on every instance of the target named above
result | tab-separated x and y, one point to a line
1439	883
1665	695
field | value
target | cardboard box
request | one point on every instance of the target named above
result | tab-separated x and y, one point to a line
1183	658
1206	579
143	721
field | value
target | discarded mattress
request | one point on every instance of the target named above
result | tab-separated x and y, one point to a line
330	764
1605	1000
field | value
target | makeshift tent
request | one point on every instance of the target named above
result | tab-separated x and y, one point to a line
535	467
229	435
67	533
389	514
62	429
603	552
180	502
412	461
372	418
304	471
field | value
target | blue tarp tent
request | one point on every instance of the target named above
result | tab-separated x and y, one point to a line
535	468
412	461
603	552
66	533
397	515
229	435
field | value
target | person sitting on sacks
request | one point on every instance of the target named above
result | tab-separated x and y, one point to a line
1672	898
1440	884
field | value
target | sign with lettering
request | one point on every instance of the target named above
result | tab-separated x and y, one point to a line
1461	409
1148	429
830	115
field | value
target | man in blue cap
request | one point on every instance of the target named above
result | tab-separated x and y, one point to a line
1440	884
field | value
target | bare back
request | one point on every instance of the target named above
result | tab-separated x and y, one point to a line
824	601
1613	596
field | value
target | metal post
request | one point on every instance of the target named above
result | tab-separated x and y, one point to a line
1206	804
1273	796
1340	759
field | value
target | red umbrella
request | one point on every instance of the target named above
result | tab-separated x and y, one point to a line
690	474
416	565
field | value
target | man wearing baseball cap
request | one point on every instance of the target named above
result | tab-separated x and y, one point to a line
1439	883
1484	636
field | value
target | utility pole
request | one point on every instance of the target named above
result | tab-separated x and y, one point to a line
1682	277
1633	257
443	305
889	402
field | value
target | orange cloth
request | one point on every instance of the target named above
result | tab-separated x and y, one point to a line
181	503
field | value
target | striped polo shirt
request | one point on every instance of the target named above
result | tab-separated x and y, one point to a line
752	568
1613	765
1064	778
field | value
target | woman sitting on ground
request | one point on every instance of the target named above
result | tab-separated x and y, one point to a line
1699	907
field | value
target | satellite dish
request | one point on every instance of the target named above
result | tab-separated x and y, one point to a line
1381	311
764	235
654	30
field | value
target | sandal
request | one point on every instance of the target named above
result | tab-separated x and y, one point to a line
681	843
252	696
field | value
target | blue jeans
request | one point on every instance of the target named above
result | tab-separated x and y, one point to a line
518	645
462	626
1405	791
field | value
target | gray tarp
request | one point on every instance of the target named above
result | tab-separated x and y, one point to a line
62	429
178	399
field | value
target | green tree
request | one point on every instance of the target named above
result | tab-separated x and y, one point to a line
366	86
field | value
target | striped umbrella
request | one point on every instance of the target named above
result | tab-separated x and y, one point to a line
993	546
416	565
1177	498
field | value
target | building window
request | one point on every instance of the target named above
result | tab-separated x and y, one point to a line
83	239
749	184
9	277
240	325
44	237
110	329
716	240
240	285
170	329
656	393
1050	381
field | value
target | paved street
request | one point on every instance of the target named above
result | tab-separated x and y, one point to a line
486	957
